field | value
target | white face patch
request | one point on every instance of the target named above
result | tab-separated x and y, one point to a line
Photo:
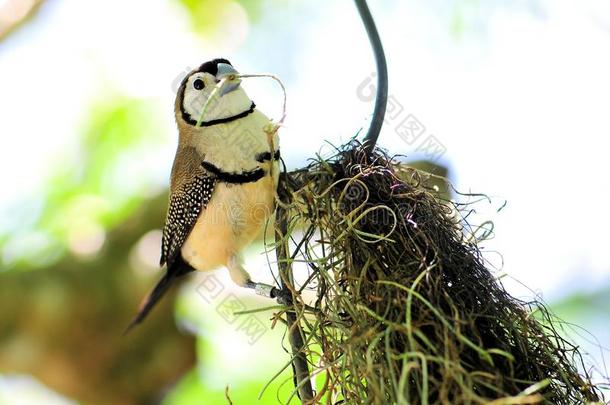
195	98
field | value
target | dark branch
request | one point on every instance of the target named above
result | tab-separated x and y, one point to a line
381	98
295	332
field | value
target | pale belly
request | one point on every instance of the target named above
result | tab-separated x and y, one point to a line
235	215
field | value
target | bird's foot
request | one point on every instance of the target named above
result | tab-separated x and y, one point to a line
283	296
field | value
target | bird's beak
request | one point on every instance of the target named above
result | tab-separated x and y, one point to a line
232	82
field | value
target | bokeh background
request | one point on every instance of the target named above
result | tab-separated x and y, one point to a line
508	98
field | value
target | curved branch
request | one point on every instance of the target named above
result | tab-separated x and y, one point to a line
381	98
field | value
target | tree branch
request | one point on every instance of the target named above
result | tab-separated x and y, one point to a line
295	332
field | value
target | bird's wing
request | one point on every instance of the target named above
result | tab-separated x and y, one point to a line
191	190
187	200
184	209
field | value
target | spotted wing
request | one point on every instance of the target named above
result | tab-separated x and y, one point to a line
185	206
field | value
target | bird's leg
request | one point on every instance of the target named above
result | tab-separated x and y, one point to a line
262	289
241	277
284	297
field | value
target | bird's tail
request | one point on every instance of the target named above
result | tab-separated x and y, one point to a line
179	268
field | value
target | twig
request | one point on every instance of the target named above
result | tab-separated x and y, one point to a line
277	79
227	396
381	98
295	333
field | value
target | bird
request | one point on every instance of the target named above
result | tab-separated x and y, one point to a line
223	180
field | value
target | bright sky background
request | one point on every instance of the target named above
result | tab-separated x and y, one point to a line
517	92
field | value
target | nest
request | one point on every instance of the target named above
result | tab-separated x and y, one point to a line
405	311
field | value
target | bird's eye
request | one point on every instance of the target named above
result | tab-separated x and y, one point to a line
198	84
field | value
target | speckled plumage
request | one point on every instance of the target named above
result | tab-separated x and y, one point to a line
185	205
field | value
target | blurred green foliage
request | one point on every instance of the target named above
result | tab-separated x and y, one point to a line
204	13
91	190
191	389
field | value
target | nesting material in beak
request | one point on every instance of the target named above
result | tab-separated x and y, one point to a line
232	82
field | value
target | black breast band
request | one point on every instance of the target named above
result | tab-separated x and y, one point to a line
261	157
249	176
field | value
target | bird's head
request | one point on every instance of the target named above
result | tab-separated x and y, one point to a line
197	87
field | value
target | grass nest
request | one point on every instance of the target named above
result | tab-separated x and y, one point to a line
405	311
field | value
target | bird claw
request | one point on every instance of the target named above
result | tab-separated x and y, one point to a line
283	296
264	290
